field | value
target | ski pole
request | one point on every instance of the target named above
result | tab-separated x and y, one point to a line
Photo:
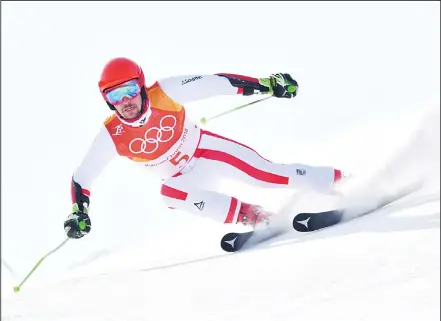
17	288
204	120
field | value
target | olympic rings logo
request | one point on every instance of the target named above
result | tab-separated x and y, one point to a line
154	135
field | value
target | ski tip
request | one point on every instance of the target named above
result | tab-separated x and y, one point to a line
301	222
308	222
233	242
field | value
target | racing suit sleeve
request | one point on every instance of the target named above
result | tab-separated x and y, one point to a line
100	153
183	89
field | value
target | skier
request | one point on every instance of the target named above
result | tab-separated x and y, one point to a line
150	127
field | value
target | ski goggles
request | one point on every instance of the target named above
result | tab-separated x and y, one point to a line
129	89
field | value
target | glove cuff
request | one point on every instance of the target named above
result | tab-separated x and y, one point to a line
76	208
267	85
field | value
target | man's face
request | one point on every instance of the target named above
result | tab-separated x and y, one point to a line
130	108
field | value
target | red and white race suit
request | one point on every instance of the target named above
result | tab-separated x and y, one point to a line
188	159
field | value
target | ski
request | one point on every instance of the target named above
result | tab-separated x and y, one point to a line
232	242
236	241
309	222
306	222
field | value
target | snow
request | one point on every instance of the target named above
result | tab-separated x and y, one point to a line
368	102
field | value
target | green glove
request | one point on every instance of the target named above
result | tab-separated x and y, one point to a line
78	223
280	85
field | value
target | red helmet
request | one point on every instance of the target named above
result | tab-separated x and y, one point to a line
120	70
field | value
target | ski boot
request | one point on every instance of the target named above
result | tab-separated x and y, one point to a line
252	215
